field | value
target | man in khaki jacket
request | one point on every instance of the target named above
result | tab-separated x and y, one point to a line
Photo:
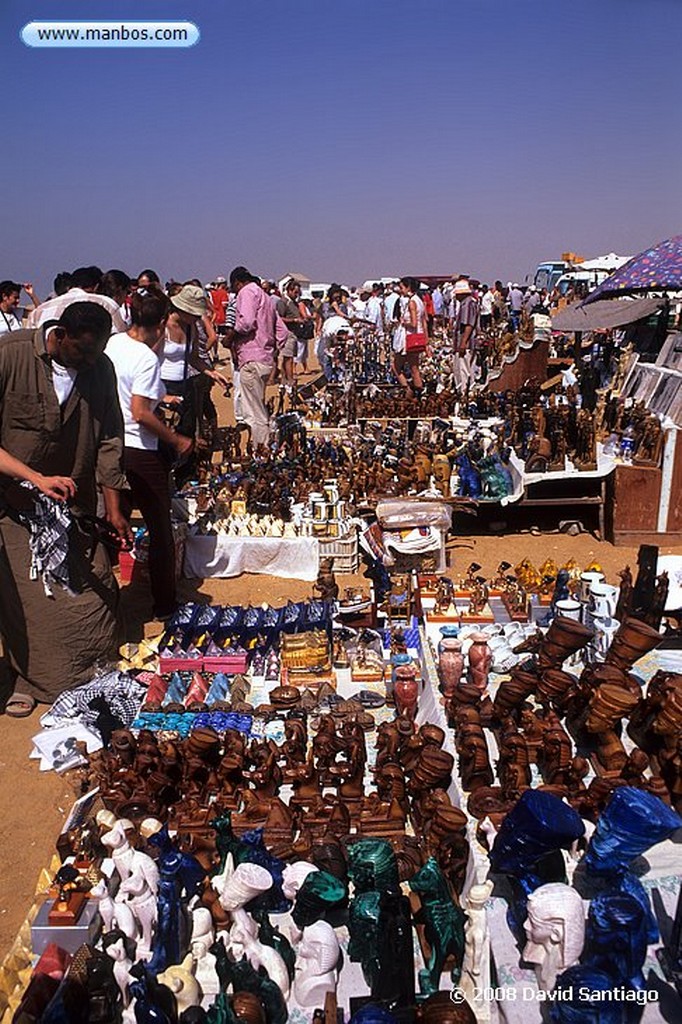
61	430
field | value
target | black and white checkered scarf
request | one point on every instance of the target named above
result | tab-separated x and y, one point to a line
48	523
122	693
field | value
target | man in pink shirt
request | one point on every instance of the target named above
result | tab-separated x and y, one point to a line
259	332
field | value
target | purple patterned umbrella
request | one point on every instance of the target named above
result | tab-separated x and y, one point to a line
655	269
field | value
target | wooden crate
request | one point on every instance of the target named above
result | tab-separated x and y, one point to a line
642	498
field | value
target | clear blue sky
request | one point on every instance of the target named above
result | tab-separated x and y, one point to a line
344	139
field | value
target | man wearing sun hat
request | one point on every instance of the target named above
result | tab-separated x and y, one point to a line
465	333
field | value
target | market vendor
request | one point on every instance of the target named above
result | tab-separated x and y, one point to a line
61	431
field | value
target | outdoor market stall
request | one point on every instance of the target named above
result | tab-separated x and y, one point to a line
304	781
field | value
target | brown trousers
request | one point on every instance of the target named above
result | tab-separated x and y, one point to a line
54	643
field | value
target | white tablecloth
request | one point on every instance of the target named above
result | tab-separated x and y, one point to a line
605	465
296	558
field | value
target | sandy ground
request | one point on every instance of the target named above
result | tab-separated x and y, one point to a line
33	804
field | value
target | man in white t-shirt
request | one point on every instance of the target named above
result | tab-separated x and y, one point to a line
374	310
515	302
140	389
359	303
84	288
137	374
390	299
487	305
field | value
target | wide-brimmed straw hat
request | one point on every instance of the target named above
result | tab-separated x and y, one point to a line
191	299
462	287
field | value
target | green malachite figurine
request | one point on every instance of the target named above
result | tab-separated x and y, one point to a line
394	982
363	926
372	865
443	924
319	894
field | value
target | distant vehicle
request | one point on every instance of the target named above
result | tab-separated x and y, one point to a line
314	290
582	280
589	273
547	274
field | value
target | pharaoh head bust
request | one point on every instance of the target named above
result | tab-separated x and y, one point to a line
555	931
317	957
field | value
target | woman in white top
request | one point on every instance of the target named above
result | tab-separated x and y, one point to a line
412	321
140	390
182	369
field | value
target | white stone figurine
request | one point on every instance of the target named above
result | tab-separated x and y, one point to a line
294	875
316	963
555	931
203	937
115	915
115	838
219	881
117	946
476	963
105	905
181	981
243	939
105	820
245	883
148	828
489	831
122	853
136	896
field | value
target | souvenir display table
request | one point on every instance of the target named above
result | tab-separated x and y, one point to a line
224	540
290	812
296	558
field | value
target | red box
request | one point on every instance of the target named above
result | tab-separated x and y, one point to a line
230	664
129	566
167	665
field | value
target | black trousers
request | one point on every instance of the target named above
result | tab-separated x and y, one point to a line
147	473
188	410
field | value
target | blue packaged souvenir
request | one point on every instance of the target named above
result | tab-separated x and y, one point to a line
177	688
219	688
292	616
230	620
206	618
